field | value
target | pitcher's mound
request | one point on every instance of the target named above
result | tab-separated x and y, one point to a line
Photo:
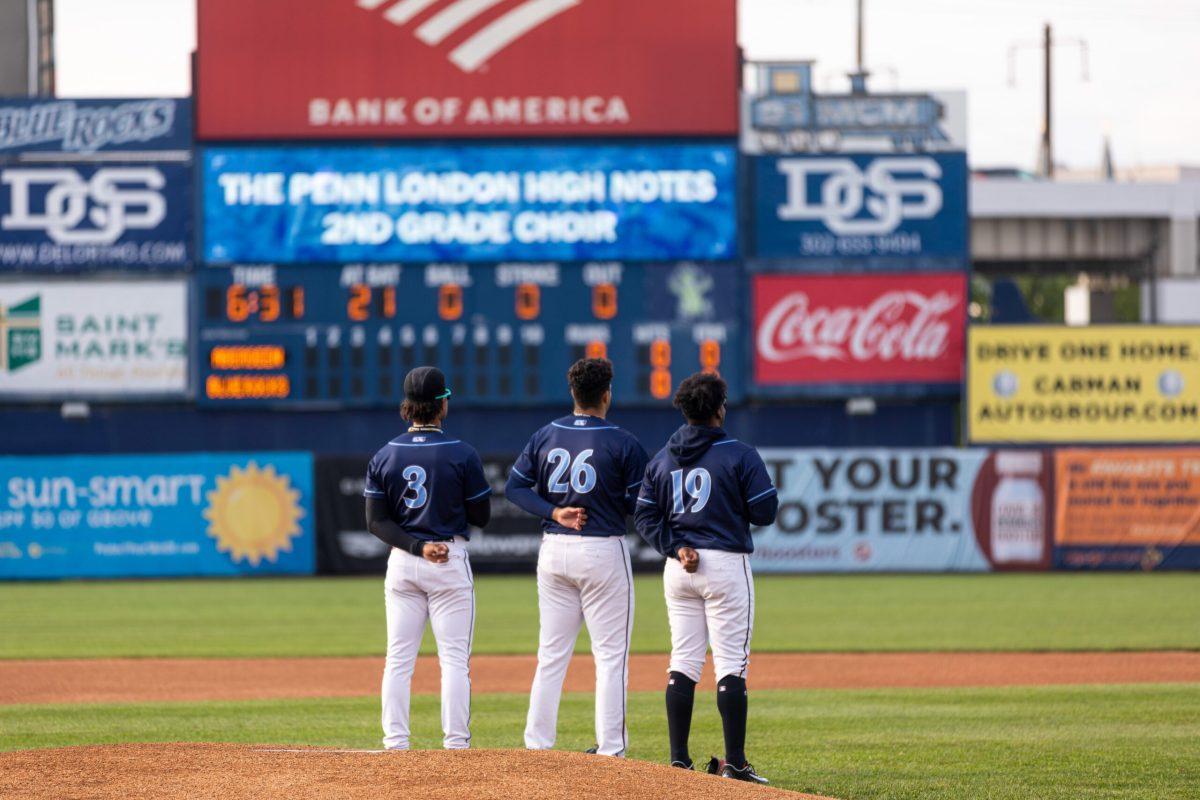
169	771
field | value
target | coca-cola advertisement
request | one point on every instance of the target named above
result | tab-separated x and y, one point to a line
859	329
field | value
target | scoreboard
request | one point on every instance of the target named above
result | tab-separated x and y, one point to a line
345	335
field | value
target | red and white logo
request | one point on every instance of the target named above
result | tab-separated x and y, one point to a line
453	16
859	329
442	68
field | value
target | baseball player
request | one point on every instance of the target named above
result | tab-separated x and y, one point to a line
581	474
701	494
423	489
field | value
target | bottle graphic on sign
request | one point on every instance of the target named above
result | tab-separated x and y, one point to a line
1018	504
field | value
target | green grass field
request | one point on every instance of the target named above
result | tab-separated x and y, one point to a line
960	744
343	617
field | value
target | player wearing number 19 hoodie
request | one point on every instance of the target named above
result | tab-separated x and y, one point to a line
701	494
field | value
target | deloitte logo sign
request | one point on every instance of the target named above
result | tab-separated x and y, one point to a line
20	334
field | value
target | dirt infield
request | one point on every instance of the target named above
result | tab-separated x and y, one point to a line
142	680
167	771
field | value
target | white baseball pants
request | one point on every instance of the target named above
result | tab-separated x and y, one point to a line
712	606
417	590
583	579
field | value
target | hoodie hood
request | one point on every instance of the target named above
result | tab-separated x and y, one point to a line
689	444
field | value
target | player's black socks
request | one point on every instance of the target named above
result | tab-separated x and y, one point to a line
681	695
732	703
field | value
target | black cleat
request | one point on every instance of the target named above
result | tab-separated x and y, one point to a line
682	764
714	766
593	750
746	773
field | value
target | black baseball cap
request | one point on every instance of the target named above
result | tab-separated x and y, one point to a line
425	385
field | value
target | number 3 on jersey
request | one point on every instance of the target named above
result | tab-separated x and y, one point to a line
698	484
416	487
583	474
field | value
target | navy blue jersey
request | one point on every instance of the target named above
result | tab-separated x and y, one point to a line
704	490
427	478
582	461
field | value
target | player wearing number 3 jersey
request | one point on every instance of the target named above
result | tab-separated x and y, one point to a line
423	489
701	494
581	474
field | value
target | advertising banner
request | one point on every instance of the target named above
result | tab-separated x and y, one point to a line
921	510
452	68
814	332
510	543
156	515
469	203
1127	509
93	339
878	210
86	128
782	113
1100	383
67	215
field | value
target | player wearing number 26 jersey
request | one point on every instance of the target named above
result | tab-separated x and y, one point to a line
581	474
423	489
701	494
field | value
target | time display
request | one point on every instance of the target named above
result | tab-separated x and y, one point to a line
327	335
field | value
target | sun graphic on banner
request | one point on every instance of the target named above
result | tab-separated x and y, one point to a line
253	513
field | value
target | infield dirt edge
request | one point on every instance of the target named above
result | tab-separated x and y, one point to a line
187	770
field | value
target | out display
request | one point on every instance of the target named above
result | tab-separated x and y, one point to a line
332	335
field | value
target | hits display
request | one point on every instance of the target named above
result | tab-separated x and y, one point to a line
333	335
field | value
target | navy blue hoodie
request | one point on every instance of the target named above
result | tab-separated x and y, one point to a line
704	490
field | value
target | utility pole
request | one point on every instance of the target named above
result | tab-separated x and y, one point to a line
858	78
1048	107
1046	45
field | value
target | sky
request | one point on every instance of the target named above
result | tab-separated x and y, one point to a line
1141	87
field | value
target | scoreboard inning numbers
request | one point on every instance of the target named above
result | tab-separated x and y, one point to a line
505	334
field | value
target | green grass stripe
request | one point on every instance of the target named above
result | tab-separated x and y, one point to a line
344	616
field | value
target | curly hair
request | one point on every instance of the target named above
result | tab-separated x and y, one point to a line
700	397
421	412
589	379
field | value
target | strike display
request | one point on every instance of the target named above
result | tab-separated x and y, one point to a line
326	335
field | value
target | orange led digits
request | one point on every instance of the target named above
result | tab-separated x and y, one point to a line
247	387
237	307
450	301
268	303
297	302
529	301
710	355
597	350
604	301
660	354
247	357
358	306
660	375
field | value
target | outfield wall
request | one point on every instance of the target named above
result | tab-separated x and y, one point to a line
841	510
